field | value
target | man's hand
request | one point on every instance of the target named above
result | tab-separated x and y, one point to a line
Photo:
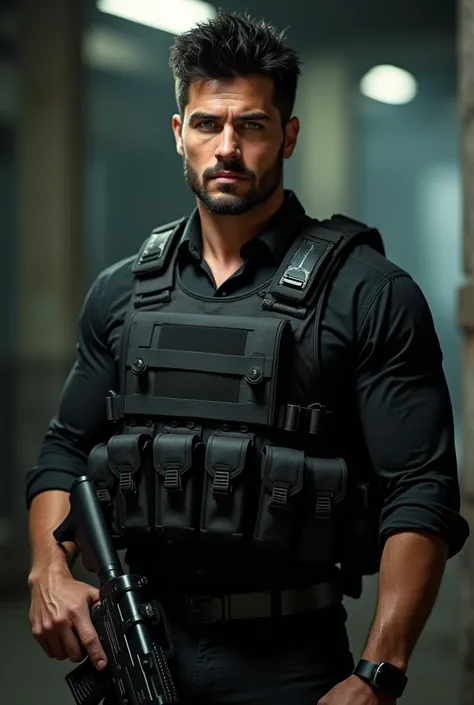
355	691
60	617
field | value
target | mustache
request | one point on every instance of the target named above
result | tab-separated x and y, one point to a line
234	167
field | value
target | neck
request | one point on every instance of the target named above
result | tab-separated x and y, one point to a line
224	235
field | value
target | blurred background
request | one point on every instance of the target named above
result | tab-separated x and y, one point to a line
88	167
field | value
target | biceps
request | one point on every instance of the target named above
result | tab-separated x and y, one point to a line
407	421
82	408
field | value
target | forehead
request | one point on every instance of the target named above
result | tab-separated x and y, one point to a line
239	94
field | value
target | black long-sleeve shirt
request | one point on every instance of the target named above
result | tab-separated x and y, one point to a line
379	353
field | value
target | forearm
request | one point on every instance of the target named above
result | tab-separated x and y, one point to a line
47	511
411	571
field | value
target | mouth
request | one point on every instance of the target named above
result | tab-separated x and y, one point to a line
227	177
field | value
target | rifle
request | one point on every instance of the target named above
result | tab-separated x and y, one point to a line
137	671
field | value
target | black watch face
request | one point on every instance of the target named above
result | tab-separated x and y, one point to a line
389	678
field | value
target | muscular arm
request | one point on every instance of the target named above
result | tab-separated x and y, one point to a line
60	605
407	422
47	511
79	424
406	596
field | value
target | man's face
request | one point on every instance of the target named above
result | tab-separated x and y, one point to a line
233	143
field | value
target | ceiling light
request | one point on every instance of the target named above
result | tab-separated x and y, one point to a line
389	84
174	16
109	50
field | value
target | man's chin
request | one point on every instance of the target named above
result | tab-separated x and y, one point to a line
226	204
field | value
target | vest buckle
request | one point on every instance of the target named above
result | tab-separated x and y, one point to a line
172	480
221	484
279	498
323	506
126	483
103	495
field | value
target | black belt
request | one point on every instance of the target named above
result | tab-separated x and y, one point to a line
209	609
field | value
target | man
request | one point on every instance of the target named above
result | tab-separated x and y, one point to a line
370	353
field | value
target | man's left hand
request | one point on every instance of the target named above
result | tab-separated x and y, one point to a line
355	691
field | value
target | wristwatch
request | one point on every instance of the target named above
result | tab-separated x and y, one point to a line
382	676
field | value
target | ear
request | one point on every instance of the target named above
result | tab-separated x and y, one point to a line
178	133
292	129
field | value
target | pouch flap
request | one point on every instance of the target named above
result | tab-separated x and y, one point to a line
327	476
173	457
98	464
226	457
125	454
282	474
98	469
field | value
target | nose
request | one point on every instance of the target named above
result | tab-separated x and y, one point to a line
228	147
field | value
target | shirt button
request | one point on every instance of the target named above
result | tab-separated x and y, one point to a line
223	293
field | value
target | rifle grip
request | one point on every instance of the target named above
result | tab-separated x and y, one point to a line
87	685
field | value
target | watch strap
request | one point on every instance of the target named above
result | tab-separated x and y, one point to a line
368	671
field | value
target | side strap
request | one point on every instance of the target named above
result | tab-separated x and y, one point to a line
312	260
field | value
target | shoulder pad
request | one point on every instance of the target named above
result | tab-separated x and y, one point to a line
356	231
153	254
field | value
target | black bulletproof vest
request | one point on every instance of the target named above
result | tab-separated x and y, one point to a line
219	437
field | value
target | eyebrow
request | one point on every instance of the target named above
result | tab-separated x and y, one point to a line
198	115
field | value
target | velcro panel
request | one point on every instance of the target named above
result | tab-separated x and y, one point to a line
223	343
204	367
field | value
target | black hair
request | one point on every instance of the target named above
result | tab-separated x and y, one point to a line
230	45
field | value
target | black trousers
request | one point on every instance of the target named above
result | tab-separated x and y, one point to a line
284	661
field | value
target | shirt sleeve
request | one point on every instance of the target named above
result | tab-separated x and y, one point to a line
80	421
406	414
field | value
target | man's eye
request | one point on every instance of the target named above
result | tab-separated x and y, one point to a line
207	124
253	125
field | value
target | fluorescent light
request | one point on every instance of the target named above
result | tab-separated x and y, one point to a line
174	16
106	49
389	84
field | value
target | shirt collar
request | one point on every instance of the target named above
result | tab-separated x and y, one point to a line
284	224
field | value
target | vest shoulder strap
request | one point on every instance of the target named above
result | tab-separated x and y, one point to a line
153	268
154	253
313	259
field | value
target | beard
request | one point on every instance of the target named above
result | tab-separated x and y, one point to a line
229	202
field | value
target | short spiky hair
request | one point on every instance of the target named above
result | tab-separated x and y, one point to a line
235	45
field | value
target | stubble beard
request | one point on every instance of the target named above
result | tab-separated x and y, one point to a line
234	204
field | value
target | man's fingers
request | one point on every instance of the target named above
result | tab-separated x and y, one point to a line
44	645
91	642
72	646
49	640
94	596
56	647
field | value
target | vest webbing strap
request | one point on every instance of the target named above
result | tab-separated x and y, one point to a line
312	260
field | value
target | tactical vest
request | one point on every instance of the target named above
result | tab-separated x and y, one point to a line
218	437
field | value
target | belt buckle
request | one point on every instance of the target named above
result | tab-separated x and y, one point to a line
197	606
